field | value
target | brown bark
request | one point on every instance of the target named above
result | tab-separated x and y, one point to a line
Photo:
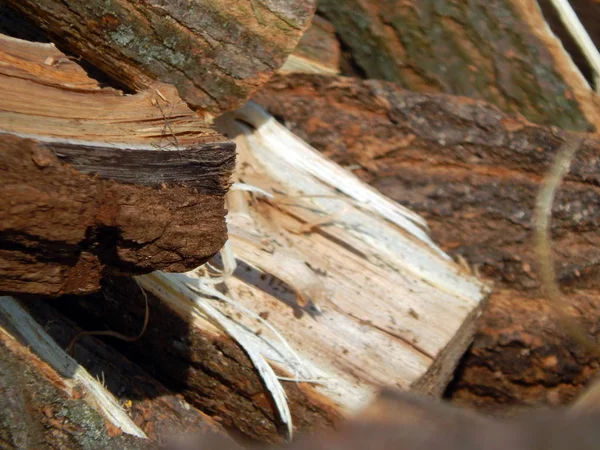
404	421
159	412
37	410
473	173
317	52
498	51
216	53
154	196
213	374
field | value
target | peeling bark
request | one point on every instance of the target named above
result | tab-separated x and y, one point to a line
212	372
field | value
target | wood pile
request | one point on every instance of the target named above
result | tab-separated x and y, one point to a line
226	224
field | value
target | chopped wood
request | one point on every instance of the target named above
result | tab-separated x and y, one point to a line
154	196
473	173
465	48
215	53
56	401
159	412
406	421
351	282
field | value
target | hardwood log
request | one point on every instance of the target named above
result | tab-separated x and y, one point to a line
502	52
93	181
473	172
309	250
210	370
405	421
215	53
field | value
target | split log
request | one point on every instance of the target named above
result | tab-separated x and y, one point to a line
473	172
94	182
215	53
404	421
502	52
53	405
350	280
160	413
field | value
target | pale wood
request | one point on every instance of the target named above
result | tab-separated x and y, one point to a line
366	299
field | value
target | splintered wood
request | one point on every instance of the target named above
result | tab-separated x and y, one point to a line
330	282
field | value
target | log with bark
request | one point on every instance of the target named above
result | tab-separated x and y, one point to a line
473	172
215	53
502	52
95	182
335	287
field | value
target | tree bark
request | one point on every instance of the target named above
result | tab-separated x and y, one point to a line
38	410
501	52
215	53
473	173
159	412
212	372
111	183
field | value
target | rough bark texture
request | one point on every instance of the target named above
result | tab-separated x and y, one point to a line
61	231
216	53
213	373
496	51
473	172
160	413
404	421
156	197
37	412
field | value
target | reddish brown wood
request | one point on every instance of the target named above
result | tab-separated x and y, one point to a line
212	372
500	51
473	172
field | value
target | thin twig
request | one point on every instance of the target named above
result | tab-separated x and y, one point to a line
543	215
115	334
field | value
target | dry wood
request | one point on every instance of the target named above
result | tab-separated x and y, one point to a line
156	200
52	402
349	279
159	412
215	53
317	52
474	173
405	421
466	48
